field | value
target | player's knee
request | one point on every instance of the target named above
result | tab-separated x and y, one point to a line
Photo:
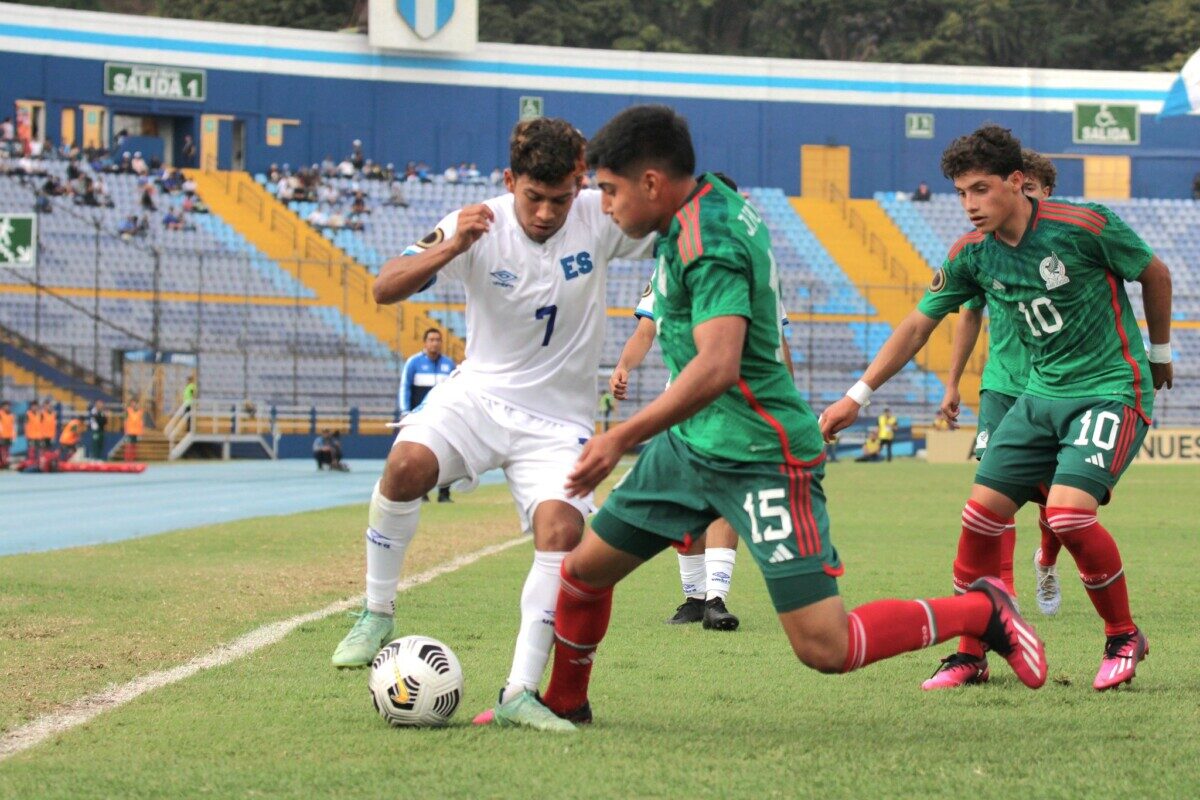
407	477
823	656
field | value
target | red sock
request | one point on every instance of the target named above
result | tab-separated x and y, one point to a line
1008	543
887	628
979	555
580	622
1099	562
1050	543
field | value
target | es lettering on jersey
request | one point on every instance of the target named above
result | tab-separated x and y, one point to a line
536	312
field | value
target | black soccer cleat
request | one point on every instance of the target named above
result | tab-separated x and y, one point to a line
717	616
691	610
580	716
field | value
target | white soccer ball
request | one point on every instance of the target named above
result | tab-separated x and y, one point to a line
416	681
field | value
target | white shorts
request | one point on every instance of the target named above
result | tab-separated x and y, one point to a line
471	433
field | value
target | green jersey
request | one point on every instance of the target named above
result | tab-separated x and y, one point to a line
1007	367
1061	289
715	261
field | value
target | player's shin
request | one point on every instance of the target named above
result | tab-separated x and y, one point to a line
391	525
536	636
980	547
692	575
886	628
1099	562
718	567
1050	543
580	622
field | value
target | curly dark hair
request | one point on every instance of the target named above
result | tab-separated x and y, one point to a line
546	149
1036	165
649	134
991	149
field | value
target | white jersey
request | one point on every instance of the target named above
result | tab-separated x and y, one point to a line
536	312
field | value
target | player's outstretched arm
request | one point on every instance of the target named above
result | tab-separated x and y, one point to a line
1156	301
632	355
966	334
405	275
904	343
715	368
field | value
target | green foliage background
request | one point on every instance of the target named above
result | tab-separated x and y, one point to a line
1075	34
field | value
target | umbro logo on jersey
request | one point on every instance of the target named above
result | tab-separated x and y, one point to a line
1097	460
1053	271
504	279
997	285
781	554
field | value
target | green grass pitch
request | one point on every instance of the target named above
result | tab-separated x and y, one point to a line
679	712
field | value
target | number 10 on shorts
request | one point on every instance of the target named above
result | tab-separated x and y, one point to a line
762	516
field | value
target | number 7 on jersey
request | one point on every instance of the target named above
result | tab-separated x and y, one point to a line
542	313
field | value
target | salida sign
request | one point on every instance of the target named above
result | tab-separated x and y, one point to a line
155	82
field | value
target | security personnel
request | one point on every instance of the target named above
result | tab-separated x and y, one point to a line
135	425
887	430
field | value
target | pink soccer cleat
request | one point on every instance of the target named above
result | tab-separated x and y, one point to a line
958	670
1011	636
484	717
1121	656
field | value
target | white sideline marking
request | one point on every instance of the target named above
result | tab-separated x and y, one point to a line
84	710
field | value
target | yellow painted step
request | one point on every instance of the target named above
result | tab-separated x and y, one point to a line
44	388
885	268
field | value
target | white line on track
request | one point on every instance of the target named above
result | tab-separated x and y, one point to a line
84	710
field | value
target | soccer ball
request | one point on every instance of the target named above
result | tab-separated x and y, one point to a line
416	682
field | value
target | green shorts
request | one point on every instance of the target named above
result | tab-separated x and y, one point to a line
672	494
1084	442
992	408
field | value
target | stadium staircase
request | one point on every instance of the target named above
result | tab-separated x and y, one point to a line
50	373
874	253
334	277
152	446
222	423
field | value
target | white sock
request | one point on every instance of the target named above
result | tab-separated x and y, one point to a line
536	636
390	527
691	575
718	569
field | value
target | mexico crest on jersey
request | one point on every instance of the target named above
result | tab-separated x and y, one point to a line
425	17
1053	271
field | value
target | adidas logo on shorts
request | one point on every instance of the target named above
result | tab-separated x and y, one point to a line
781	554
1097	460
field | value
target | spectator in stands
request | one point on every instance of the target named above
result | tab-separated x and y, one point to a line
24	131
283	190
146	196
451	174
396	196
346	168
135	426
138	165
328	193
328	167
189	187
187	152
359	204
322	453
143	225
923	194
189	394
8	432
97	420
471	174
72	436
1196	187
335	451
410	172
355	222
193	205
274	174
357	160
337	220
318	217
870	448
887	430
497	177
172	220
128	227
8	132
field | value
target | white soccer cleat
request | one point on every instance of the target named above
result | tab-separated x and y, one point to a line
1049	591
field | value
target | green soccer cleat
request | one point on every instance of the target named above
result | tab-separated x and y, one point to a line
369	634
526	710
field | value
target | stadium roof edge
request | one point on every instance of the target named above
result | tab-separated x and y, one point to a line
216	45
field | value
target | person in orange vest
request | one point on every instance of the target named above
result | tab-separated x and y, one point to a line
8	431
49	424
72	432
33	430
135	425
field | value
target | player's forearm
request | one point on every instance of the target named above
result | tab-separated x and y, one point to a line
1156	301
403	276
904	343
966	334
699	383
637	346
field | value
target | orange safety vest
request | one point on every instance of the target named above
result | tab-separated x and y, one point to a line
33	425
8	425
70	434
49	424
134	421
